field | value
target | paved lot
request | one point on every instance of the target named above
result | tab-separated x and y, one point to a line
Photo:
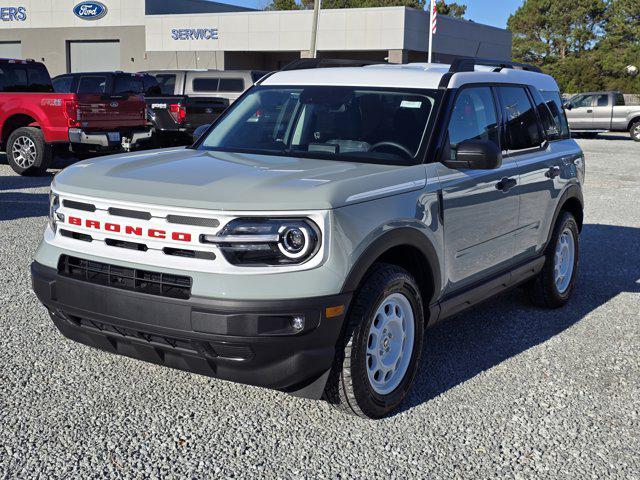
506	391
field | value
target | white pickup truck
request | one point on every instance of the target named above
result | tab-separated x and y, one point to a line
598	112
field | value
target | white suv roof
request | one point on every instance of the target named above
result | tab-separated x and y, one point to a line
411	75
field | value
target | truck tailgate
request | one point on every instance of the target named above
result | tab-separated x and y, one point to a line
181	113
97	112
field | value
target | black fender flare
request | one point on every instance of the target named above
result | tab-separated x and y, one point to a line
400	236
572	191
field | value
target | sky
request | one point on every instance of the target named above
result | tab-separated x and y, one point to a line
491	12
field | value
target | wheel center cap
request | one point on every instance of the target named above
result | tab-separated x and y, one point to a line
385	342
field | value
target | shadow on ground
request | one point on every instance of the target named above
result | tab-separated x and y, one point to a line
458	349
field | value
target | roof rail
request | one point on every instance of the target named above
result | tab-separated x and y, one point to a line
468	65
304	63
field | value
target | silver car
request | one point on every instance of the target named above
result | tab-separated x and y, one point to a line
326	220
598	112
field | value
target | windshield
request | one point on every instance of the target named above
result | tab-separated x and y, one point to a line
361	124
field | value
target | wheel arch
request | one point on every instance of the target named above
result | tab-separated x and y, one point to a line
16	121
405	247
571	201
632	121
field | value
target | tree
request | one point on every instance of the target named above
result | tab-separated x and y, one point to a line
455	10
444	8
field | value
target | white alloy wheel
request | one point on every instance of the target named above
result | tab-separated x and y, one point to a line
564	260
390	343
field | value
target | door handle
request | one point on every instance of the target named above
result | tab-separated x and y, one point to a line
589	111
506	184
553	172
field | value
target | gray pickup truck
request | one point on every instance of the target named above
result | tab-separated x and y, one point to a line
325	220
598	112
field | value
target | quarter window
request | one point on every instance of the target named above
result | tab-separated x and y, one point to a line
549	125
554	103
473	118
205	84
167	83
521	122
620	100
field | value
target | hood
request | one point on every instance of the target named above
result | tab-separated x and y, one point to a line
236	182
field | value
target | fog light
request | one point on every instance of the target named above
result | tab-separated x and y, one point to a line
297	323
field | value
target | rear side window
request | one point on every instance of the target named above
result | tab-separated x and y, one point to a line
522	130
25	78
231	85
151	86
473	118
554	104
92	84
167	83
62	84
619	98
549	125
205	84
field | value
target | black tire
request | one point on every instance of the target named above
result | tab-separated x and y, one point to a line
634	131
41	157
348	387
543	290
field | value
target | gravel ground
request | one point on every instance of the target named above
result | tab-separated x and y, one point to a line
507	390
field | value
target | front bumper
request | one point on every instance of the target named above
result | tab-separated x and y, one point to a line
109	139
249	342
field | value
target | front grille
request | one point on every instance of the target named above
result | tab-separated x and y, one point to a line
135	280
193	221
85	207
76	236
123	212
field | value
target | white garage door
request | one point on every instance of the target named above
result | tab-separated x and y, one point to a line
94	56
10	50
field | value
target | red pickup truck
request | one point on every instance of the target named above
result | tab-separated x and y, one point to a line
34	120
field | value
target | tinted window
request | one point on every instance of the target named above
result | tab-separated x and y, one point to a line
619	99
554	103
23	78
151	86
92	84
602	100
167	83
520	119
473	118
205	84
62	84
231	85
126	84
549	126
366	125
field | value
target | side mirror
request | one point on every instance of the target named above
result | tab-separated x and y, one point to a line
567	106
476	155
198	132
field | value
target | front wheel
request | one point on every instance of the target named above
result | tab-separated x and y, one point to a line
27	151
553	286
375	367
634	131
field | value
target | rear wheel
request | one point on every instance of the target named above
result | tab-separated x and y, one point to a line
375	367
635	131
27	151
553	286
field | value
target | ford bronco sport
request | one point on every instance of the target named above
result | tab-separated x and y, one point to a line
306	241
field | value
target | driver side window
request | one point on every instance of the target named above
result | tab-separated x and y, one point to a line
473	118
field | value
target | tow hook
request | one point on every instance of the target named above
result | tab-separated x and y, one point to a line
126	144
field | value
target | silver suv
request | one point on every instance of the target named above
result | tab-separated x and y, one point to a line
306	241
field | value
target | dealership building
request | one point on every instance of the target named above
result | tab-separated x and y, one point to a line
136	35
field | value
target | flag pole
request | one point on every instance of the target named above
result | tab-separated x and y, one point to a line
431	8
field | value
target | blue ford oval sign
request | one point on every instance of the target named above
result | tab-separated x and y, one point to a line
90	10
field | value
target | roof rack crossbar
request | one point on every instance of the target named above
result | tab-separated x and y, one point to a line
468	65
305	63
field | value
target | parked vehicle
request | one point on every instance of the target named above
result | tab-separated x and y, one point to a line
598	112
190	99
329	216
34	119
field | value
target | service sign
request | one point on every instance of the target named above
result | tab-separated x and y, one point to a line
194	34
90	10
13	14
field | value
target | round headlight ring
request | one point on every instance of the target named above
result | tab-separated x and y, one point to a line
295	241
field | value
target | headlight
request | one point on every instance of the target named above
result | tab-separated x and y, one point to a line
54	216
259	242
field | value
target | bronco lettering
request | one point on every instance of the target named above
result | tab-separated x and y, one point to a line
130	230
